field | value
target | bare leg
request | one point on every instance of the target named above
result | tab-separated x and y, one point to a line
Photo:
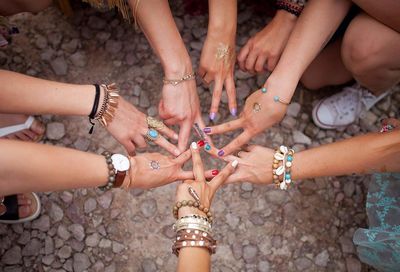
8	8
370	51
326	69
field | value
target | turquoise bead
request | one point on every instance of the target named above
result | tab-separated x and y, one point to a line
287	176
153	133
207	147
276	98
289	158
264	90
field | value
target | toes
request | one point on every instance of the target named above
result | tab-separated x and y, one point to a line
24	211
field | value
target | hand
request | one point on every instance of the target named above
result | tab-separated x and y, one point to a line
217	64
129	127
262	51
180	106
150	170
252	122
255	165
205	190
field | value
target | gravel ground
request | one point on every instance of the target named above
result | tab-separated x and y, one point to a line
258	228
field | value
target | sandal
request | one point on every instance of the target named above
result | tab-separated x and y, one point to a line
11	213
4	131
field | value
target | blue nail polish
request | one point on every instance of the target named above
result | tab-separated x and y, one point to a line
212	116
264	90
207	147
234	111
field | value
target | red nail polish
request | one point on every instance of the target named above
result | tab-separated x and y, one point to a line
214	172
201	143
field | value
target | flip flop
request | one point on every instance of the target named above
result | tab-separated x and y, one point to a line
11	215
4	131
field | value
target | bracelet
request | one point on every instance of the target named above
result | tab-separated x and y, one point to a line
178	81
191	203
285	156
111	172
290	7
110	104
195	216
193	238
94	107
192	223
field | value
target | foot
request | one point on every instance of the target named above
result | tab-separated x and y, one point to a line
345	107
34	133
26	206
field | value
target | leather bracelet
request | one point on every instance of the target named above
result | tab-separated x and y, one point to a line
289	7
95	106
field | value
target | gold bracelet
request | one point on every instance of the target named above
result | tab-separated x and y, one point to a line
178	81
109	106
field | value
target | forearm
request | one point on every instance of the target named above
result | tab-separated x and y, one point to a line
374	152
194	259
29	167
156	21
314	28
25	94
222	18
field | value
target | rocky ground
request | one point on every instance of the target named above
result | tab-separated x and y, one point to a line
259	228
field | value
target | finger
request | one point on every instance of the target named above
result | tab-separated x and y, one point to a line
271	63
202	125
228	126
250	61
249	148
198	168
184	157
231	92
208	78
162	112
171	121
185	175
259	66
139	141
236	143
202	71
130	148
216	182
184	134
209	174
166	131
243	55
235	177
162	142
216	97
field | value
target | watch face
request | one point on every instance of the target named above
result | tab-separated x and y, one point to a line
120	162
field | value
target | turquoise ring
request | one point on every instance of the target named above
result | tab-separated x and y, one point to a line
152	134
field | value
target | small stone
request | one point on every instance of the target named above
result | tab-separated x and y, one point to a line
152	111
349	188
59	66
322	258
81	262
339	197
111	268
64	252
55	39
293	109
137	90
102	36
148	207
148	265
105	200
237	250
67	197
42	223
90	205
263	266
56	213
346	244
63	233
302	263
144	101
77	231
246	186
250	253
48	245
117	247
105	243
232	220
277	197
55	131
168	231
48	260
242	90
47	54
113	46
196	45
239	74
32	248
199	32
24	238
92	240
82	144
300	138
256	219
97	23
12	256
98	267
79	59
70	46
41	42
353	265
289	122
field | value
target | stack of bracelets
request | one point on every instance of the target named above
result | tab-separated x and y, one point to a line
193	230
292	6
281	167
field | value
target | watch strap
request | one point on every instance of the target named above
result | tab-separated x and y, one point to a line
119	179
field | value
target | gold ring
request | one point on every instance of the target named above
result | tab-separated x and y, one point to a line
154	123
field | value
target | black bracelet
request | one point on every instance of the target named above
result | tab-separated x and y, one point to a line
290	7
94	108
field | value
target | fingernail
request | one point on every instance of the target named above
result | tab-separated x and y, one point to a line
176	137
207	147
235	163
201	143
234	111
212	116
177	152
221	153
264	90
207	130
214	172
194	145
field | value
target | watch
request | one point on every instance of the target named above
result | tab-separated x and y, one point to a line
121	165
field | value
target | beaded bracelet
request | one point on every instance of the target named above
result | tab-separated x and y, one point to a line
191	203
290	7
285	156
111	172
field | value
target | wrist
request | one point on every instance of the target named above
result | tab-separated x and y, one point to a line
178	68
285	16
184	211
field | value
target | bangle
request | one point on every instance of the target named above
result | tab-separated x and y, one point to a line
290	7
193	238
193	223
180	80
111	172
284	156
191	203
110	104
94	107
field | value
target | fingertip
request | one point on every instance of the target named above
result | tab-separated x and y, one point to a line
234	164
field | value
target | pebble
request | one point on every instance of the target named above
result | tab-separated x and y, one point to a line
82	144
302	264
79	59
148	265
55	131
42	223
232	220
105	200
81	262
59	66
246	186
12	256
64	252
63	233
41	42
32	248
256	219
92	240
322	258
353	265
70	46
346	244
349	188
56	213
117	247
289	122
148	207
144	101
48	245
113	46
67	197
300	138
48	260
278	197
105	243
90	205
78	232
293	109
97	23
250	253
102	36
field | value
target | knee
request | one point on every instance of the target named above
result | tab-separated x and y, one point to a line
309	81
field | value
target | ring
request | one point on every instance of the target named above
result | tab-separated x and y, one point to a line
152	135
278	99
154	123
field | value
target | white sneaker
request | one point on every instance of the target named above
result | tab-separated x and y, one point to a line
345	107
